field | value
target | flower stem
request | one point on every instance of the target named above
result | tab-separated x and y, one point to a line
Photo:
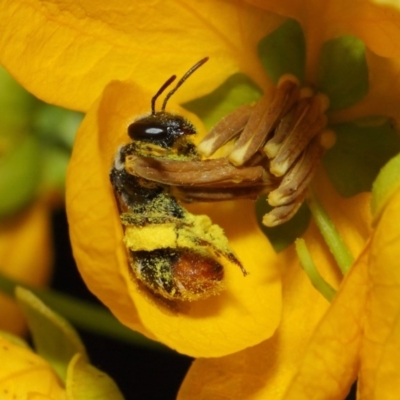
309	267
84	315
331	235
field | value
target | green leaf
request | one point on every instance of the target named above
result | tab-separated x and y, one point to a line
16	105
284	51
387	182
55	161
234	92
361	150
56	126
54	338
85	382
284	235
20	172
343	71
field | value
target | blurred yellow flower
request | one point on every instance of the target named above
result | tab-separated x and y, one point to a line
33	158
26	255
60	368
23	374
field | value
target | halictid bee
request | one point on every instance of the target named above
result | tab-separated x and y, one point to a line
173	253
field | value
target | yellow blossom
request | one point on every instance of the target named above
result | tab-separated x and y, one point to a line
59	370
26	375
116	51
279	367
358	337
246	313
26	255
86	45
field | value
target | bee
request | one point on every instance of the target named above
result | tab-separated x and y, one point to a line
176	255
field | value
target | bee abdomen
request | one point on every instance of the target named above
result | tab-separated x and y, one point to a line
178	274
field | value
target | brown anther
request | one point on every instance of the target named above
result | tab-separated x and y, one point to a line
227	129
284	213
310	122
298	177
290	132
263	120
286	125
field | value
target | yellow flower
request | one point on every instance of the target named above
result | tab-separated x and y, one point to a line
86	45
26	375
59	370
26	254
86	49
360	327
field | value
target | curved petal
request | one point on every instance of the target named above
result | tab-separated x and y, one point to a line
330	363
96	237
265	371
246	313
375	23
74	48
379	355
24	373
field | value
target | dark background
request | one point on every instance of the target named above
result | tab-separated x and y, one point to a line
140	373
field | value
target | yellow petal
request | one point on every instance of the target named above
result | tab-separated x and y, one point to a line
26	254
73	49
86	382
265	371
246	313
95	230
330	363
375	23
23	373
379	374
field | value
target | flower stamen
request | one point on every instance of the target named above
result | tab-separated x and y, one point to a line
287	133
263	120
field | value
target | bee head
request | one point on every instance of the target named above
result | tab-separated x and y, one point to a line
162	128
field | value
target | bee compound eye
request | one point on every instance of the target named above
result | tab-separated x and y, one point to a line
148	130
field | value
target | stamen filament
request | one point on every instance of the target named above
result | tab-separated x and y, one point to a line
310	269
331	235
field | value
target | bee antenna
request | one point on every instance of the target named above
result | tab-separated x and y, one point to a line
183	79
157	95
